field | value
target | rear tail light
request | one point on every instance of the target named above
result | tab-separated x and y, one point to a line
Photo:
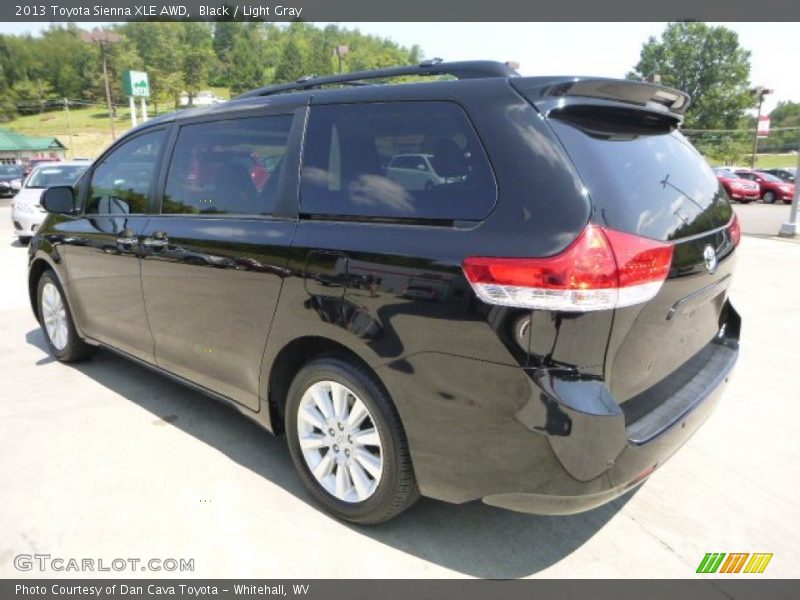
735	230
600	270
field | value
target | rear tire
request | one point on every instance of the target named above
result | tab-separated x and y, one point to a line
57	325
769	197
357	467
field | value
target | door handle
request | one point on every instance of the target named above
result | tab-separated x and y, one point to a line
159	240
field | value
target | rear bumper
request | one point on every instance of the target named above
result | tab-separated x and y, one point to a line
544	441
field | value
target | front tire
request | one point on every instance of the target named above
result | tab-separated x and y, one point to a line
347	442
769	197
56	321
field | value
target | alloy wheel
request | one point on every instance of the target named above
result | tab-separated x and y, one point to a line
54	315
340	441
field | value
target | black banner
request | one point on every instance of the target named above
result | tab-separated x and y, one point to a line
407	10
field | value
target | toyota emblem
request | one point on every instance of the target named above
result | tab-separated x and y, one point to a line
710	258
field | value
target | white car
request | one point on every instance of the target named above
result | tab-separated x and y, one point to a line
27	213
416	172
205	98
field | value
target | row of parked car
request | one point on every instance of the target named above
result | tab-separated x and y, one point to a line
27	213
749	185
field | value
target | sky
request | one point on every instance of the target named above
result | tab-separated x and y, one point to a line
599	49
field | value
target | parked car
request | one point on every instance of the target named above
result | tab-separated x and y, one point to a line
739	189
34	162
771	187
27	213
415	171
10	179
787	175
580	247
204	98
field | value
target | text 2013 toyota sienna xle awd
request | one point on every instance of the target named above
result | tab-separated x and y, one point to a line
569	326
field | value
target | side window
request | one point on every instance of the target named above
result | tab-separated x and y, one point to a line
418	160
227	167
121	183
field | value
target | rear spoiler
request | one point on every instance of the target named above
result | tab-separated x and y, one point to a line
545	93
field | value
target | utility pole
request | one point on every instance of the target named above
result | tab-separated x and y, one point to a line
103	38
340	52
791	228
761	91
69	128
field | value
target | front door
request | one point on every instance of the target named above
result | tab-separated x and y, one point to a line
102	246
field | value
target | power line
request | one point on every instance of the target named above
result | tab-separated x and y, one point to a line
738	130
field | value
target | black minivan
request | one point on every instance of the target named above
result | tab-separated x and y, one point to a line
484	286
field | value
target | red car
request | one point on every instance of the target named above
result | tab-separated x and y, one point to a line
771	187
741	190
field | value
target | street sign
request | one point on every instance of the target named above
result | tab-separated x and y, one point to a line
763	127
135	83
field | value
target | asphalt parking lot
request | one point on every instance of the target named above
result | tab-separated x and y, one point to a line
108	460
762	219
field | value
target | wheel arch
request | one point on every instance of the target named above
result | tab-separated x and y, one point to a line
291	358
37	267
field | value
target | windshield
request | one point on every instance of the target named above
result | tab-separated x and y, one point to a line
726	174
10	171
45	177
768	177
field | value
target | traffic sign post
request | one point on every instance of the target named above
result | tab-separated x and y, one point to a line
792	227
136	84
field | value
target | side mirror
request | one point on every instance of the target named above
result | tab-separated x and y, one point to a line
59	199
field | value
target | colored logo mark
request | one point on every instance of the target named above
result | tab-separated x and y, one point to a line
737	562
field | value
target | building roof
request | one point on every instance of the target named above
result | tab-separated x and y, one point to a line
11	141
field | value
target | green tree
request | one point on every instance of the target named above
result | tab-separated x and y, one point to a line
247	68
32	95
159	50
708	63
786	114
197	56
291	65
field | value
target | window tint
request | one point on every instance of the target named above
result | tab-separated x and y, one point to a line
227	167
372	160
656	186
121	183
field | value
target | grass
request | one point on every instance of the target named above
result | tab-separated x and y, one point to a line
91	128
775	161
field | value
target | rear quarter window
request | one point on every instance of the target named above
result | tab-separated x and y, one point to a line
395	160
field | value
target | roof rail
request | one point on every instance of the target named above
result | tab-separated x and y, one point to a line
472	69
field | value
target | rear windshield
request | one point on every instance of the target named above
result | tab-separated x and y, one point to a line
653	185
45	177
